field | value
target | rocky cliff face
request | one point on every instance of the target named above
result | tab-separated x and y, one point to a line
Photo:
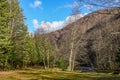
97	38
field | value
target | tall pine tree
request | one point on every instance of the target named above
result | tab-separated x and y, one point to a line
5	44
18	34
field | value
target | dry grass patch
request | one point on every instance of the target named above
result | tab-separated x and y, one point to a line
40	74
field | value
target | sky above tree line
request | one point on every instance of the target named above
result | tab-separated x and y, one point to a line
50	13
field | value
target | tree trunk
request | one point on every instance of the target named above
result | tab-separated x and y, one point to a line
71	57
48	64
44	62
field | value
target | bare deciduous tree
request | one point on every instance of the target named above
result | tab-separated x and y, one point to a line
73	37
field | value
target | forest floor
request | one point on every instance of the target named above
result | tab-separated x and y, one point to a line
54	74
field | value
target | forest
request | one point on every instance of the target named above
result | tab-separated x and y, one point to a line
97	45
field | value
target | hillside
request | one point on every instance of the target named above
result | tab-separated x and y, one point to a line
98	37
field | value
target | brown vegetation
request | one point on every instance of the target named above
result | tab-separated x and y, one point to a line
98	44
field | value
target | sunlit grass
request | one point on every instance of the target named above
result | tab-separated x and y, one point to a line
52	74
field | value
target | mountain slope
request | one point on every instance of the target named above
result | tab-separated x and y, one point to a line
98	38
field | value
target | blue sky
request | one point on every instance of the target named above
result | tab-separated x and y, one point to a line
52	12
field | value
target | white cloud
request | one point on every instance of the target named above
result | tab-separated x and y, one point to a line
73	18
117	1
74	4
50	26
55	25
36	3
35	23
47	26
88	6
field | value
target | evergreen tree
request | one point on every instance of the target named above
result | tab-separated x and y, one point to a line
5	44
31	53
17	48
43	48
18	34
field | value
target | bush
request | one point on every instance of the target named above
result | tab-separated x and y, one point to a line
62	64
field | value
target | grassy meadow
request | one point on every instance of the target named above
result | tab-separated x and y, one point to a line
54	74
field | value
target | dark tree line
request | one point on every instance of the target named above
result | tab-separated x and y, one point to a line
13	35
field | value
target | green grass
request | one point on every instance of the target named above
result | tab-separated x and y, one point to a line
51	74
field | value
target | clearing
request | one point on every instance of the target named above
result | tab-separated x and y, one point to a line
54	74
